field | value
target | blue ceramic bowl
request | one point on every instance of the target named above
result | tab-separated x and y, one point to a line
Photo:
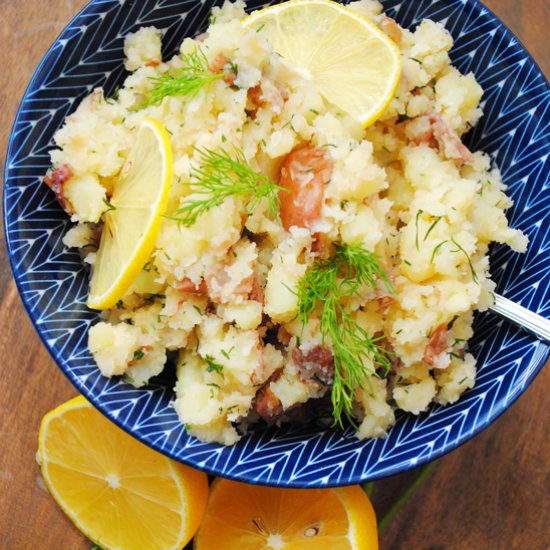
53	283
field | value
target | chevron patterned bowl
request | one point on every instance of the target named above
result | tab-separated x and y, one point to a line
53	283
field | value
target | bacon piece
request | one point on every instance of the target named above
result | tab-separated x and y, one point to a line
273	95
221	64
304	174
315	365
254	101
439	341
55	180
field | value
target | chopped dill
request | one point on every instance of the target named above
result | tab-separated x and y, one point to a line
147	266
197	309
226	354
418	214
108	204
327	286
436	250
185	82
139	354
452	322
221	175
212	366
432	226
474	274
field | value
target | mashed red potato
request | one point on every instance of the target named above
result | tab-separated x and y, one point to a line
222	293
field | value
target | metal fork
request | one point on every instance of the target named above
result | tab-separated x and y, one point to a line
524	318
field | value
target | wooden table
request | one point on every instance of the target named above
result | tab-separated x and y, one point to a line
492	493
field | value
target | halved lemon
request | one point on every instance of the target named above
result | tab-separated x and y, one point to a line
132	224
352	63
118	492
252	517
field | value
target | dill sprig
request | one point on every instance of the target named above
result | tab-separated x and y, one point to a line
187	81
221	175
329	284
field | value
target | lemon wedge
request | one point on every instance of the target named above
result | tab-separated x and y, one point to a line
352	63
118	492
133	222
249	517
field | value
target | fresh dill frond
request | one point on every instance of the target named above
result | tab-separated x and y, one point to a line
185	82
221	175
328	285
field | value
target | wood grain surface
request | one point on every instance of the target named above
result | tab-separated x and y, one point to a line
492	493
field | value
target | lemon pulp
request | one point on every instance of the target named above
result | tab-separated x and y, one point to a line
240	516
118	492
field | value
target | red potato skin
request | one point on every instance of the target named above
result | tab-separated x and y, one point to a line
315	366
304	174
266	403
218	64
439	341
187	285
55	180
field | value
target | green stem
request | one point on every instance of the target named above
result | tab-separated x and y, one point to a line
409	492
368	487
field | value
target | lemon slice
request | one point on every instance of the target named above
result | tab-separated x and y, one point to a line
352	63
131	227
249	517
117	491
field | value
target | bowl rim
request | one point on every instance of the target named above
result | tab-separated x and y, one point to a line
540	357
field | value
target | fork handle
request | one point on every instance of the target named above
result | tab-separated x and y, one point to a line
524	318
